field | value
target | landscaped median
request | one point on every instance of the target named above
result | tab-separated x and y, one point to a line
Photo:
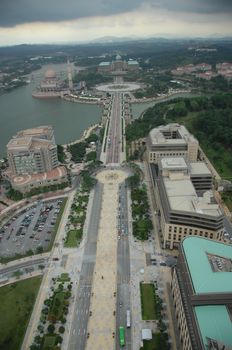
17	302
53	316
77	219
142	223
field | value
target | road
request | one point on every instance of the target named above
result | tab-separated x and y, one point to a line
23	265
123	273
114	133
82	303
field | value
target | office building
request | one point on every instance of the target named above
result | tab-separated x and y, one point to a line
202	294
185	200
33	161
118	65
32	151
172	140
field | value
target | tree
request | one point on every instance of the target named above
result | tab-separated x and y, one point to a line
92	138
61	329
51	328
39	250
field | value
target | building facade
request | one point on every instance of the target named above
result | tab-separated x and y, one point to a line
33	160
118	65
185	201
202	294
172	140
32	151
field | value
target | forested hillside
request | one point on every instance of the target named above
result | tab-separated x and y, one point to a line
208	118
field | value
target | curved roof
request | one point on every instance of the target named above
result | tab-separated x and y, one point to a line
50	74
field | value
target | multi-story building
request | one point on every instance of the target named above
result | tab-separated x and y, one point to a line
185	200
118	65
33	161
172	140
32	151
202	294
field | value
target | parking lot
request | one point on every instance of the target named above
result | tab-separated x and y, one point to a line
30	229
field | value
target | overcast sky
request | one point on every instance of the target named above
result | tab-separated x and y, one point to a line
51	21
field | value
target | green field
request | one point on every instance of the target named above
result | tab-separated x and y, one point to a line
73	238
148	301
64	277
17	301
49	341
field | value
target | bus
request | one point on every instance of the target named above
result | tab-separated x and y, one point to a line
121	336
128	319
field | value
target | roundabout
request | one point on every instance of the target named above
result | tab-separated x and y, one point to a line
122	87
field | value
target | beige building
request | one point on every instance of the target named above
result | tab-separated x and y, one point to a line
185	201
202	293
118	65
172	140
33	161
32	151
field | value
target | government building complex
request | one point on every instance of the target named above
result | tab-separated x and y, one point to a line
118	65
202	294
33	161
182	187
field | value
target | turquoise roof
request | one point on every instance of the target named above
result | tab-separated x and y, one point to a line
214	322
204	279
131	62
104	64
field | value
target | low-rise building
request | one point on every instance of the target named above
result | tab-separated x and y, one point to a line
172	140
185	201
202	294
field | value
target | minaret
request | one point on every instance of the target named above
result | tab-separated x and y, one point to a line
70	82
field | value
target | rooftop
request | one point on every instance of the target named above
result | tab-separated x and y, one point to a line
174	163
214	322
182	196
199	168
102	64
204	279
40	130
132	62
171	134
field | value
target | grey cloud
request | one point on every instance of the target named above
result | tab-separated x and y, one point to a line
196	6
13	12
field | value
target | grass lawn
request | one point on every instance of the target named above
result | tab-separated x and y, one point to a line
158	342
73	238
17	301
64	277
147	292
49	342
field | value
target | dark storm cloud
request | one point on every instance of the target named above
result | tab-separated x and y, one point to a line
13	12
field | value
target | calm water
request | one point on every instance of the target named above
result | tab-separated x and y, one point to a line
18	110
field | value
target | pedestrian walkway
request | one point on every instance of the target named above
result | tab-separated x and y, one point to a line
102	322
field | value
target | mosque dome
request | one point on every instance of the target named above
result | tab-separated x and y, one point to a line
50	74
118	58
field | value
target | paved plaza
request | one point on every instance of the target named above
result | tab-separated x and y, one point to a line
118	87
102	321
